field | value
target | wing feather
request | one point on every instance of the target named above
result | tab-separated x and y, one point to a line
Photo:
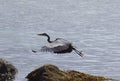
54	49
56	46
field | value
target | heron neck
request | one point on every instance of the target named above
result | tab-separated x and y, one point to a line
49	39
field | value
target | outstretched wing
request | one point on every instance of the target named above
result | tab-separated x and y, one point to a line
55	48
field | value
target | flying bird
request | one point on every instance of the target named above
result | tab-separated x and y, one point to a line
59	45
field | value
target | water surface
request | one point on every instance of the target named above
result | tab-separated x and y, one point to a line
93	27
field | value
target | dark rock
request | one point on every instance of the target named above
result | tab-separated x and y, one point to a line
53	73
46	72
7	70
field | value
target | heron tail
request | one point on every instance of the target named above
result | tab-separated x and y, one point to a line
78	52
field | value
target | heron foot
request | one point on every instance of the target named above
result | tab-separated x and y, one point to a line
81	53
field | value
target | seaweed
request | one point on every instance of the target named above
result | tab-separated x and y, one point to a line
53	73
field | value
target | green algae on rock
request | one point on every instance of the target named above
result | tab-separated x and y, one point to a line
52	73
7	70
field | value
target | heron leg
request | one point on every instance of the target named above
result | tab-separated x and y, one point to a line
78	52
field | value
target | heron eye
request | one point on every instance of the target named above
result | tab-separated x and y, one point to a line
44	33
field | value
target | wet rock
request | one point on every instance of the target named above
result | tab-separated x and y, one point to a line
53	73
7	70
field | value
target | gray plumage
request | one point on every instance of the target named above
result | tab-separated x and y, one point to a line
59	45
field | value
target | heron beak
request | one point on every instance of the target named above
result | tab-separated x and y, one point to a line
40	34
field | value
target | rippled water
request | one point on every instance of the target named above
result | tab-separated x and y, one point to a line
93	27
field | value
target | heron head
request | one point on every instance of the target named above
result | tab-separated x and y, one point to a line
43	34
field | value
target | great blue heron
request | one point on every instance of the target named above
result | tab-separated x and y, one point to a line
59	45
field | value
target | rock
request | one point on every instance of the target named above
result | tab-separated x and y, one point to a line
53	73
7	70
46	72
